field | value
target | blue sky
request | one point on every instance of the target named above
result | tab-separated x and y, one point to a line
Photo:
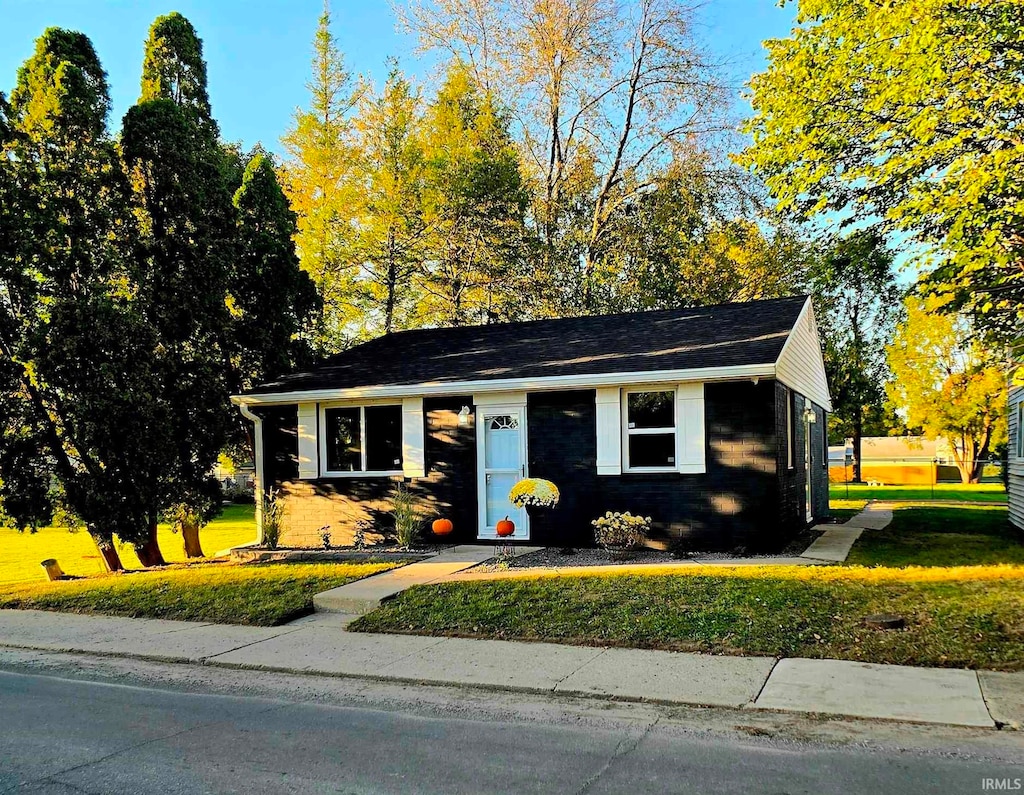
258	51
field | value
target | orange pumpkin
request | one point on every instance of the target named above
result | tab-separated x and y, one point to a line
442	527
506	527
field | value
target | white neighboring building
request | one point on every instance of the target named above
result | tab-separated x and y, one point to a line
1015	454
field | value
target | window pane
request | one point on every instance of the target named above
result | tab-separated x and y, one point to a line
651	409
383	438
343	440
652	450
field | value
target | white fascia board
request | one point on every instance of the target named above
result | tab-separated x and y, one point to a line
538	384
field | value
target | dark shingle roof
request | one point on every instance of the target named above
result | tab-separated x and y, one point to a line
674	339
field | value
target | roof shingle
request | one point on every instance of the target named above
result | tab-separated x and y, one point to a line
734	334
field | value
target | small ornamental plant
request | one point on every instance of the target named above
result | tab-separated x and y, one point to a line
534	493
617	530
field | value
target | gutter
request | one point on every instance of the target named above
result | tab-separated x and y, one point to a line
539	383
257	452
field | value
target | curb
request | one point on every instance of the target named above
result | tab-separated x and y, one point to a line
497	688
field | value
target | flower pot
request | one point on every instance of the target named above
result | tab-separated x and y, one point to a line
619	554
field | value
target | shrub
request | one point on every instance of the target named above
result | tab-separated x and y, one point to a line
273	518
359	536
407	518
239	495
621	529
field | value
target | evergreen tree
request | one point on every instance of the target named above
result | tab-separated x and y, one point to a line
272	298
183	199
173	68
62	298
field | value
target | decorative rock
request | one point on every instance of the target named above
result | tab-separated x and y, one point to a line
885	621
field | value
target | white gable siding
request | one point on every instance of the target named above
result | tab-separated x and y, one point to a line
800	365
1016	462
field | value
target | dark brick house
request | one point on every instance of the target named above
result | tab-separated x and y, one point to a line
710	420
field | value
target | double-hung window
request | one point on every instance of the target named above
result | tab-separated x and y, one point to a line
649	430
361	439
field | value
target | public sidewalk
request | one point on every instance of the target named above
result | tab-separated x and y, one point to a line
319	644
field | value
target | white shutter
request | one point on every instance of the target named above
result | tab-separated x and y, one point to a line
413	458
609	431
309	462
690	428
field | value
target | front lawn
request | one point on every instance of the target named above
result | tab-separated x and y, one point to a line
261	595
21	553
957	617
942	536
841	510
979	492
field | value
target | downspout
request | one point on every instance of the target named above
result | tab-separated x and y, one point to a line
257	452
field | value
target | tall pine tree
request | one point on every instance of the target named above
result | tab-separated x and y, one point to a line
69	343
180	177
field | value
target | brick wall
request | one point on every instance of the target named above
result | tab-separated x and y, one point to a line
745	500
732	505
341	503
792	481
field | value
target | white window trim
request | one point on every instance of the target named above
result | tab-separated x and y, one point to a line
362	473
627	431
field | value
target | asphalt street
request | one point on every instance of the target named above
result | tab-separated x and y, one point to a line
72	731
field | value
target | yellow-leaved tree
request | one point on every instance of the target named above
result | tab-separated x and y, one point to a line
949	382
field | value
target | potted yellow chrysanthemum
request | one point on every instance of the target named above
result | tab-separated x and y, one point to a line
533	493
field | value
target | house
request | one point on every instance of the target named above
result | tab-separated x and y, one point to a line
911	460
709	420
1015	456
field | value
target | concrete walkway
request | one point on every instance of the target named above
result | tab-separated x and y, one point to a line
319	644
834	545
362	596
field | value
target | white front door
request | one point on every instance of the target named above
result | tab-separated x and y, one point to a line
501	461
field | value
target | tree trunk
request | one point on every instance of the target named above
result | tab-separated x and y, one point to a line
190	535
858	433
149	553
108	553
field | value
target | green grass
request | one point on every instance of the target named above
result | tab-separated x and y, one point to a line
841	510
21	553
262	595
956	574
942	536
980	492
974	619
